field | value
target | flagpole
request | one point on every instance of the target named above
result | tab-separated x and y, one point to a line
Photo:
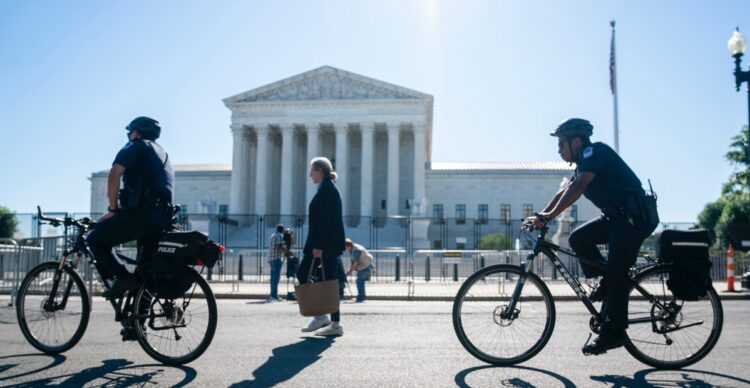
613	85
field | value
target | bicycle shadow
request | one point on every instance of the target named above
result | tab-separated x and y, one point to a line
287	361
672	378
516	376
7	364
114	373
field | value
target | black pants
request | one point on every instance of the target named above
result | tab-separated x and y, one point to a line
142	225
330	267
624	243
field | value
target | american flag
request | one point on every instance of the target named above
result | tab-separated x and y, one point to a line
612	82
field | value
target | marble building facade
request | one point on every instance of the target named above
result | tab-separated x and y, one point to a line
378	136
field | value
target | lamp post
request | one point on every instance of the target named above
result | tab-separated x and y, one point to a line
737	46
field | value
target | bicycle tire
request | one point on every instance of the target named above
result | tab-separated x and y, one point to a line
149	338
689	344
497	284
29	299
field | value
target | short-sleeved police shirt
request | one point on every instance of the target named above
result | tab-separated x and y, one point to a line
147	162
613	181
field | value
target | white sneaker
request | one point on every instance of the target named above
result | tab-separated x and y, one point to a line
331	330
316	323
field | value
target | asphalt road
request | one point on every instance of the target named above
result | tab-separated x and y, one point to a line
386	343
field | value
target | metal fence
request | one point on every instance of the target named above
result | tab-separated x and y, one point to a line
398	245
250	266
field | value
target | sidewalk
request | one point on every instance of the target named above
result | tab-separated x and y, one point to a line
417	291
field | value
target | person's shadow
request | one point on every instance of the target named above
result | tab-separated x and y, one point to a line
286	361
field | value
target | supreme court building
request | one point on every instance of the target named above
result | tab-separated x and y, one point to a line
378	136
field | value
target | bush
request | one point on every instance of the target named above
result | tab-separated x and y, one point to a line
495	241
8	222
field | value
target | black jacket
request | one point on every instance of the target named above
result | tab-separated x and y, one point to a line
326	223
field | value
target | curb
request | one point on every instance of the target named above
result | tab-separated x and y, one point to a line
426	298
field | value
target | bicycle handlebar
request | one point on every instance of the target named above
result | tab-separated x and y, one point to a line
83	223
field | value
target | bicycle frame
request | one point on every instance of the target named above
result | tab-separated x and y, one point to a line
549	249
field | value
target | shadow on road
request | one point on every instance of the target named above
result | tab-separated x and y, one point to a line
286	361
672	378
10	363
111	373
515	376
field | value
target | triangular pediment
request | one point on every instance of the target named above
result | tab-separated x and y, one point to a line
326	83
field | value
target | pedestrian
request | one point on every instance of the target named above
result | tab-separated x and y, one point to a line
276	254
291	260
361	261
325	240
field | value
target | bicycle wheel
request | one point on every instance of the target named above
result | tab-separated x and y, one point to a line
52	323
176	331
674	333
489	337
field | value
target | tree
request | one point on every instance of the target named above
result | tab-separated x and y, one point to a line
710	215
738	156
495	241
728	219
8	222
734	224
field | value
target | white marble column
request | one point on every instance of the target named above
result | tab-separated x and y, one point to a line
238	185
419	161
313	140
287	155
261	169
393	167
342	161
368	134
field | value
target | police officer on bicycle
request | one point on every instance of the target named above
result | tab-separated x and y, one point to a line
144	209
607	181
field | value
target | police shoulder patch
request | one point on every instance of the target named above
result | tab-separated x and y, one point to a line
588	151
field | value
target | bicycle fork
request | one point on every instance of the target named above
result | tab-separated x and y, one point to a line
50	304
510	311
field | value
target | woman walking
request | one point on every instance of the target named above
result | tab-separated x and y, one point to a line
325	240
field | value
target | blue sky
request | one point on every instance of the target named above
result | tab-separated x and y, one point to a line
503	74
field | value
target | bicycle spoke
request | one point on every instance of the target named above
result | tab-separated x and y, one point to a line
689	342
478	322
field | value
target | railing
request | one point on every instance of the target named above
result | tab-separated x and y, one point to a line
250	266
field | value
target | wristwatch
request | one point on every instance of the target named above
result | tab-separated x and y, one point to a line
113	211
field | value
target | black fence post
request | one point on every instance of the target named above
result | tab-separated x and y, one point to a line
239	269
260	268
455	272
481	261
210	272
427	269
398	268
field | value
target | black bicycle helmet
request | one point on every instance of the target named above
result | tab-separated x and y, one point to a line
574	127
146	126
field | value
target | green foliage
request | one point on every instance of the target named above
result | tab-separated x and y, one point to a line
710	215
728	219
8	222
495	241
734	224
738	157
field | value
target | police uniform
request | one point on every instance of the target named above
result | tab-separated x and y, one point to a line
145	204
616	190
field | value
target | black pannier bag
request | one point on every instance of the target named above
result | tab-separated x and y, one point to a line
175	252
687	250
192	248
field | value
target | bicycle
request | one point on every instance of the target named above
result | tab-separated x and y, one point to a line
505	314
53	306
